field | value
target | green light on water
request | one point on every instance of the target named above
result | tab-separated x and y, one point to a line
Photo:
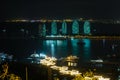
87	43
87	49
53	50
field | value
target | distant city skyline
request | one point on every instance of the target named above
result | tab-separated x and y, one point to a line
102	9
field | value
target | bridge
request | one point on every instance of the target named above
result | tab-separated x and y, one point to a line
82	37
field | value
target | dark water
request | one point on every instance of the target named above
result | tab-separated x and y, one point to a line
86	50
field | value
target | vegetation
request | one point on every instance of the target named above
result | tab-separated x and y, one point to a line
4	75
86	74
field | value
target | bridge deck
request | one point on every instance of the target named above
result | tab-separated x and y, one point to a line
82	37
59	37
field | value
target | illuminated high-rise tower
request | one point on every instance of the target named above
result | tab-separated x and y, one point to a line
87	30
44	30
40	30
75	27
53	28
64	28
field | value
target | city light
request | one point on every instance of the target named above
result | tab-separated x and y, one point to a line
64	70
42	55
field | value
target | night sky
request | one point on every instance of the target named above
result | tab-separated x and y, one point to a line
36	9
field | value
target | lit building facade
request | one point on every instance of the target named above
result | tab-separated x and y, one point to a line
86	26
64	28
53	28
75	27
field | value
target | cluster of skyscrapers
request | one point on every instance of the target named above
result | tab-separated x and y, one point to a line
75	28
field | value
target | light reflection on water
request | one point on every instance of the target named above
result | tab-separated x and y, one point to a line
75	47
63	48
87	49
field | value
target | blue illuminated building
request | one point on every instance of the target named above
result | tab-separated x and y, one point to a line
87	28
44	30
64	28
75	27
53	28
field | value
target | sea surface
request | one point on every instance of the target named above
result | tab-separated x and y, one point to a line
86	49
